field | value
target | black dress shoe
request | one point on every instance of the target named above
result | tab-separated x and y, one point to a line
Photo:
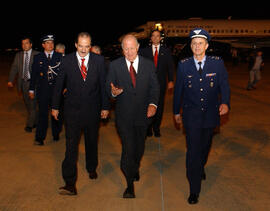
137	177
56	138
129	192
157	134
93	175
28	129
193	198
68	190
39	142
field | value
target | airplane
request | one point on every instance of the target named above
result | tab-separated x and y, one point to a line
248	34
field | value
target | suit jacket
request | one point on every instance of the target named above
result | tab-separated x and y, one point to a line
83	100
165	67
201	95
17	67
132	103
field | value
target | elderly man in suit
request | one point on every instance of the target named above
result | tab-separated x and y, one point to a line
83	74
22	66
132	81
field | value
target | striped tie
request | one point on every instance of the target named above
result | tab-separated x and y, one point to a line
26	74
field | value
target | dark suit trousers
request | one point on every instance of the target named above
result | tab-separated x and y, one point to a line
133	143
44	104
198	145
29	104
155	124
73	135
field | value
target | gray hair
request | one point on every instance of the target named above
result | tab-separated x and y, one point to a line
128	36
60	46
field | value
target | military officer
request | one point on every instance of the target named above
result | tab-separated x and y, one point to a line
45	69
202	92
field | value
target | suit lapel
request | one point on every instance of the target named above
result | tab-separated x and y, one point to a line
89	66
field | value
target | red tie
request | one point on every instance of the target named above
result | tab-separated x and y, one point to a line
156	57
132	74
83	70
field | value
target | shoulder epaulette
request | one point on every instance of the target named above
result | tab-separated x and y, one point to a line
215	57
186	59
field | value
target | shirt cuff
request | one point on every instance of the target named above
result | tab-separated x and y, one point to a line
153	104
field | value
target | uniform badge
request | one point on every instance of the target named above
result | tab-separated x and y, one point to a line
210	74
211	84
40	62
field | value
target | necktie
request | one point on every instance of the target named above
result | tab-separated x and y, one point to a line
200	67
26	75
156	57
49	56
83	69
132	74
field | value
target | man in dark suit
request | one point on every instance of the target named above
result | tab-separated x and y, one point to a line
133	83
165	69
45	70
202	91
83	74
22	66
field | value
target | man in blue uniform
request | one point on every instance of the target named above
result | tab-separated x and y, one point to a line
44	72
202	92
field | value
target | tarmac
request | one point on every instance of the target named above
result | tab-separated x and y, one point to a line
237	172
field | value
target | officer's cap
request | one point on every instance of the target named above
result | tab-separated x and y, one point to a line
48	37
199	32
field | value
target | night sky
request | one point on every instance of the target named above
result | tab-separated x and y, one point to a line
105	21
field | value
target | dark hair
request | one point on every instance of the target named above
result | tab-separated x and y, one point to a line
83	34
27	38
155	30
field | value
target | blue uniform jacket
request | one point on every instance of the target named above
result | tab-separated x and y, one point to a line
42	82
200	95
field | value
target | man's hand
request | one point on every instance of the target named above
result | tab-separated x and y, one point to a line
115	90
223	109
151	111
10	85
31	95
170	85
104	114
55	113
178	119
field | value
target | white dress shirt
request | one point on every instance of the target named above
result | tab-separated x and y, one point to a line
80	60
135	64
154	49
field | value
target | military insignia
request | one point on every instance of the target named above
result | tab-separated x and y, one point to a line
197	31
211	84
40	62
210	74
189	76
190	86
41	74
